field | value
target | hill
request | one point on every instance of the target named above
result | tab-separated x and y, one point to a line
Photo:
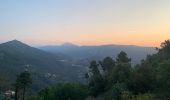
137	53
46	68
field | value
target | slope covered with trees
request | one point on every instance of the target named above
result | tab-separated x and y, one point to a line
117	79
120	81
47	68
89	53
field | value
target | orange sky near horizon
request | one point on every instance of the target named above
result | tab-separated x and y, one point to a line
148	40
86	22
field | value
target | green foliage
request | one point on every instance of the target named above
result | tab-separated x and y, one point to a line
107	64
16	56
145	96
152	75
165	47
64	92
146	81
96	83
23	81
2	97
113	73
115	80
142	80
118	80
121	73
117	91
122	58
163	78
94	68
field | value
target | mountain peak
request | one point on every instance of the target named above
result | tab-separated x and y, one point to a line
15	43
69	45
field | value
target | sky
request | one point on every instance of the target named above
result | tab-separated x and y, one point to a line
85	22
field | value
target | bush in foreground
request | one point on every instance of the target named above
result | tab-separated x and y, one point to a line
66	91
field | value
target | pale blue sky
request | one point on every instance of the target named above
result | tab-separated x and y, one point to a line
84	21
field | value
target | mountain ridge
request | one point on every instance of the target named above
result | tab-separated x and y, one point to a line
15	56
72	44
101	51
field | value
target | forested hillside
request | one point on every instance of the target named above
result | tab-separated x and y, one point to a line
47	68
116	79
107	79
88	53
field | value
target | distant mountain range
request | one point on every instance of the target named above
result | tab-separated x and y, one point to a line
53	64
137	53
47	68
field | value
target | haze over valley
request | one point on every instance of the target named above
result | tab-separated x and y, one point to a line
88	53
84	50
56	64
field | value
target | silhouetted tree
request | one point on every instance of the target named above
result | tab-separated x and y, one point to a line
142	79
122	58
107	64
96	83
23	81
163	77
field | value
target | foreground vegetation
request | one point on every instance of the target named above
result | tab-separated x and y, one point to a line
117	79
111	79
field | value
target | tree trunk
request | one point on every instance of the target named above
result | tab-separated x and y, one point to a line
23	96
16	93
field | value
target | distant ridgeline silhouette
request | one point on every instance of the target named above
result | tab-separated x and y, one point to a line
46	67
137	53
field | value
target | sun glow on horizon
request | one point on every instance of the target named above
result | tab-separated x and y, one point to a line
97	22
